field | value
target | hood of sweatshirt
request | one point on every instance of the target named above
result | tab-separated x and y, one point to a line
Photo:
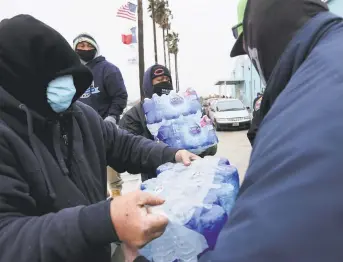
31	55
148	87
270	25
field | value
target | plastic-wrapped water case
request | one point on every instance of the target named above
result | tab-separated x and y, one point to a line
199	199
175	119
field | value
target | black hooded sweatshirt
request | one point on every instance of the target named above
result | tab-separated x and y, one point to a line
53	167
266	40
134	120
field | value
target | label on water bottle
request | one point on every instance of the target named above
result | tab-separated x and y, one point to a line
176	100
195	130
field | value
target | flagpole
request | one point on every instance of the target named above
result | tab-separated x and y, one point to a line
141	47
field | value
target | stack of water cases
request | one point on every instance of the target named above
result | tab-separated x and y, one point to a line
175	119
199	199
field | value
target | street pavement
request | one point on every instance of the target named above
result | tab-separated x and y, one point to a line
233	145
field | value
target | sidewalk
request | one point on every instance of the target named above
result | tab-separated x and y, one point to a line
131	182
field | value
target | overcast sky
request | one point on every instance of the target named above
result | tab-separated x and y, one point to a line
204	27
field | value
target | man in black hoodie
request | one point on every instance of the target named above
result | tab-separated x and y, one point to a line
107	94
53	157
157	80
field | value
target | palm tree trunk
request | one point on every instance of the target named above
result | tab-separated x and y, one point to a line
176	74
167	4
141	47
164	47
169	59
154	28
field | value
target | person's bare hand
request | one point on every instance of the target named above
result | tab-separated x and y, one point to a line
130	253
133	223
185	157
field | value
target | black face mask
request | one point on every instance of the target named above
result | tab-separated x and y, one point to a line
86	55
163	88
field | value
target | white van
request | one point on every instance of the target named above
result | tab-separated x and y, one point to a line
229	113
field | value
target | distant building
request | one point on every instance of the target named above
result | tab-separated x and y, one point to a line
336	6
244	82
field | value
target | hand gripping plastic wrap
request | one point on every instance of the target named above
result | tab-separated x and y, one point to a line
175	119
199	199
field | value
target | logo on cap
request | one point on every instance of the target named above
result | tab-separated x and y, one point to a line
159	72
176	100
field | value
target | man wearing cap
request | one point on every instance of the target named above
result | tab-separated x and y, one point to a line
107	95
290	205
157	80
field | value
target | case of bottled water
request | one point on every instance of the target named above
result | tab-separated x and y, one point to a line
175	119
198	202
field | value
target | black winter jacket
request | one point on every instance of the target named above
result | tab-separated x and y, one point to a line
53	181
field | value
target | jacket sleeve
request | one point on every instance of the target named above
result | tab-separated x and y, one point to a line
135	154
130	123
62	236
115	88
255	123
211	151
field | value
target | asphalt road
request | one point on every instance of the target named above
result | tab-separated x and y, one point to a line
233	145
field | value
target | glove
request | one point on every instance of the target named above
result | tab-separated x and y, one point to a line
112	119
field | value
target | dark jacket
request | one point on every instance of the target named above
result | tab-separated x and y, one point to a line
290	205
55	207
107	95
53	166
134	121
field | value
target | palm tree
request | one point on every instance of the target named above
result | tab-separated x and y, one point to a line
173	47
168	28
152	9
162	18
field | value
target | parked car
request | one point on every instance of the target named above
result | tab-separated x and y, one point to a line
205	107
229	113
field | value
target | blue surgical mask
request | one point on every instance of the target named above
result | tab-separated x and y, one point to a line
60	93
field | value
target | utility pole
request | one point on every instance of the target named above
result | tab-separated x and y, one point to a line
141	47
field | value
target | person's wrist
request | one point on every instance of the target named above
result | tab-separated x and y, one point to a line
114	218
178	157
96	223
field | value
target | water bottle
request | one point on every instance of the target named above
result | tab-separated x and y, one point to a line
175	106
193	101
149	110
211	136
158	108
194	136
170	134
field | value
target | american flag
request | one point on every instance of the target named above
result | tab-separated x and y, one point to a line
127	11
